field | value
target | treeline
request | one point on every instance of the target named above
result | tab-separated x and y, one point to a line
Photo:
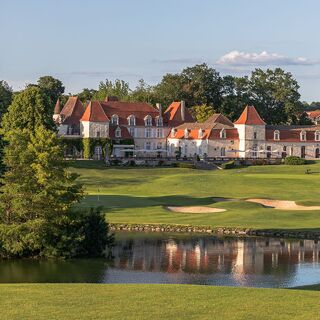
275	93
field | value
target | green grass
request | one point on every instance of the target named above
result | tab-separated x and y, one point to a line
92	301
138	195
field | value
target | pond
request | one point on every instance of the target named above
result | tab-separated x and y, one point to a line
189	259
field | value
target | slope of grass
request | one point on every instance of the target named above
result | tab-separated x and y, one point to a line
138	195
90	301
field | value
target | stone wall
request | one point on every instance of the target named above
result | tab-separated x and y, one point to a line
237	232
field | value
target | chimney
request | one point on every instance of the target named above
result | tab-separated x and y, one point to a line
159	107
183	110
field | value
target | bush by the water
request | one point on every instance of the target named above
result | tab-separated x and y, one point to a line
293	160
78	234
228	165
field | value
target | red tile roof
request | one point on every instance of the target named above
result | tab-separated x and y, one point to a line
72	111
94	113
313	114
250	116
219	118
124	133
124	109
172	116
57	107
231	134
291	133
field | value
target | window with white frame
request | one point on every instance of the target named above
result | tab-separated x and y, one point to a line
303	135
173	132
118	133
159	121
200	134
159	145
148	145
223	133
147	133
98	150
254	152
131	120
317	135
148	121
223	152
159	133
276	135
255	136
132	132
115	119
186	133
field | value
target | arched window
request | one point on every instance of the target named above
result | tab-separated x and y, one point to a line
148	121
223	152
200	134
115	119
173	132
186	133
317	135
276	135
303	135
223	134
131	120
118	133
159	121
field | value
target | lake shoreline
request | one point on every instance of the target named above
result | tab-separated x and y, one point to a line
220	231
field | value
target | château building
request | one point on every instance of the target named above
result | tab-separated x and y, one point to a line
141	130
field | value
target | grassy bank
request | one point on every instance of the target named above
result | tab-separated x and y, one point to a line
90	301
137	195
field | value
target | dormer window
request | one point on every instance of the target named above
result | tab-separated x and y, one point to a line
118	133
131	120
223	134
186	133
159	121
115	119
148	121
317	135
173	132
303	135
276	135
200	134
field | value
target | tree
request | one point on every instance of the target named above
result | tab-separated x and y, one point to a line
118	88
36	199
52	87
86	95
202	113
275	95
235	96
29	109
5	97
142	93
169	89
201	85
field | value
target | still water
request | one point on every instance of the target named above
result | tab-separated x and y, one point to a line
206	260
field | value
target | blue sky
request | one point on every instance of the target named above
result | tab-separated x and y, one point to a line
83	42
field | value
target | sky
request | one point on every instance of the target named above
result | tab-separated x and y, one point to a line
84	42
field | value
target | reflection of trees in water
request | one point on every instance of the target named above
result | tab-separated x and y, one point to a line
14	271
215	255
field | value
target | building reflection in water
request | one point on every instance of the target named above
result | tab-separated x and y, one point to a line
208	255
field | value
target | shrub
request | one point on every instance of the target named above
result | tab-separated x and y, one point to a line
294	161
228	165
259	162
183	165
78	234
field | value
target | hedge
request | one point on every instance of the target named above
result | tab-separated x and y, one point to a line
295	161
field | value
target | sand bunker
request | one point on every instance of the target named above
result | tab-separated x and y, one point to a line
282	204
195	209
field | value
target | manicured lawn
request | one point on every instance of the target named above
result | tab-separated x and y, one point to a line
138	195
94	301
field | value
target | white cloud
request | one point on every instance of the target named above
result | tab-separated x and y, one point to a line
238	58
